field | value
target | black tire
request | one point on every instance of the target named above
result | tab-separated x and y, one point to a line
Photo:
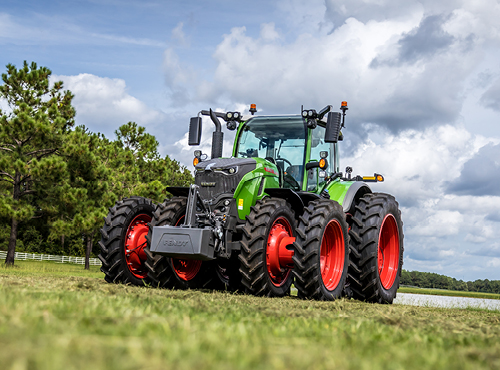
228	274
376	218
161	270
256	278
117	265
323	230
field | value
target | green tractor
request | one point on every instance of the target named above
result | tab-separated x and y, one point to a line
275	213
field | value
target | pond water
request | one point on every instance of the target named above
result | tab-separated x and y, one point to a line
446	302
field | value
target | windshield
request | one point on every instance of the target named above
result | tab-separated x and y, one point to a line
280	140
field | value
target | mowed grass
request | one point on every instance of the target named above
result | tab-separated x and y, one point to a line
450	293
62	317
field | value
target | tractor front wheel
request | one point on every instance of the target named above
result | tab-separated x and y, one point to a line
376	248
321	257
266	252
123	239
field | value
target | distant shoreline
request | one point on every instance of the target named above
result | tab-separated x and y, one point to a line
449	293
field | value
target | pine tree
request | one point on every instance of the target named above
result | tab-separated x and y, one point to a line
32	131
84	196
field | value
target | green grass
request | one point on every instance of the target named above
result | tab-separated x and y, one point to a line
48	268
62	317
451	293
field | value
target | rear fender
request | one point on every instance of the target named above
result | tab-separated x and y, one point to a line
346	193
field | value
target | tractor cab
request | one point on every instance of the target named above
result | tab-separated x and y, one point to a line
289	144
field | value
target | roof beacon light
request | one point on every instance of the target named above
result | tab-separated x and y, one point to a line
253	108
343	108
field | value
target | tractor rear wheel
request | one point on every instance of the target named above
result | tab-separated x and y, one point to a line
321	257
165	272
376	248
123	238
266	254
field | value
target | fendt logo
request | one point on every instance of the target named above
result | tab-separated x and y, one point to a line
175	243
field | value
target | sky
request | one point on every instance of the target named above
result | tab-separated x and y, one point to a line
422	79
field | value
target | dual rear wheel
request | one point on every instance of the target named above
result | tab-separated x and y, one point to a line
376	248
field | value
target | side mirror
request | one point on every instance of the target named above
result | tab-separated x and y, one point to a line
195	131
332	127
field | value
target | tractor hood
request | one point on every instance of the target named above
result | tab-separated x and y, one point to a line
221	175
222	164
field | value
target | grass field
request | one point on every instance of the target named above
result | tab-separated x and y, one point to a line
62	317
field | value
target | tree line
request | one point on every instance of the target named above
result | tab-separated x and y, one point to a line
57	180
437	281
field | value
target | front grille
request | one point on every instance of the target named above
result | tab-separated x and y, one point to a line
223	183
213	178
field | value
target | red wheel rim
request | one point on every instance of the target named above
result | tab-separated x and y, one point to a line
388	251
277	255
135	241
332	255
185	269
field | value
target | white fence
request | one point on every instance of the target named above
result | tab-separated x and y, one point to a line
50	257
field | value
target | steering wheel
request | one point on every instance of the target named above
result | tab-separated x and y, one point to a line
284	160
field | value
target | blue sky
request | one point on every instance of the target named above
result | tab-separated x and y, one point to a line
422	81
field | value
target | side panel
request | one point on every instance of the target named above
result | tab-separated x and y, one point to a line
252	185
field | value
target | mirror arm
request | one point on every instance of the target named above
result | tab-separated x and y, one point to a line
310	165
324	111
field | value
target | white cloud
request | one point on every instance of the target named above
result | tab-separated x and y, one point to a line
130	40
179	36
103	104
414	163
495	263
268	32
367	63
